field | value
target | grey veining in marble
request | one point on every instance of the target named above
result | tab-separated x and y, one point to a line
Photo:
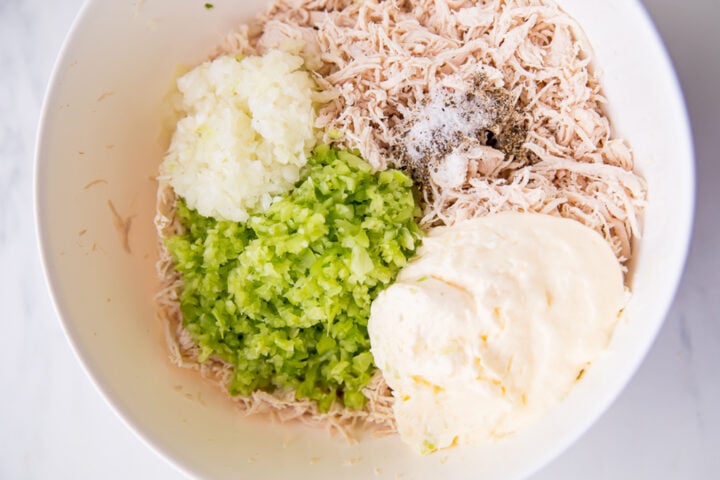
53	424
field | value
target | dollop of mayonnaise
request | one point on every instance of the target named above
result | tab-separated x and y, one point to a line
492	324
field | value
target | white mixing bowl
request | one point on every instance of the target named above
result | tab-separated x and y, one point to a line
101	141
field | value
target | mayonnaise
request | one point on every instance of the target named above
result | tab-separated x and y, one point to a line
492	324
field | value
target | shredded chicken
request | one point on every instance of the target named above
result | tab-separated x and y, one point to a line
122	226
382	60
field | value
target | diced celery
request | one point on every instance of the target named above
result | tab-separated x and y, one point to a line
285	297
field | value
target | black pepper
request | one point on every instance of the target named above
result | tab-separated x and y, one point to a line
486	114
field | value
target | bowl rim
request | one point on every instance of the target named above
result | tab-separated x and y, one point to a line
51	284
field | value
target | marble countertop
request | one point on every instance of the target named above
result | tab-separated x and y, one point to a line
54	424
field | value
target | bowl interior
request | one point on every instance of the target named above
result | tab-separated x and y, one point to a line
101	140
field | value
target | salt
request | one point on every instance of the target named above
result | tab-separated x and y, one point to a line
451	173
445	119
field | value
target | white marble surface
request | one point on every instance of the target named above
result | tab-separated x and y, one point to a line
53	424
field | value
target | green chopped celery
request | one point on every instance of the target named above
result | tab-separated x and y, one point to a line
335	134
285	297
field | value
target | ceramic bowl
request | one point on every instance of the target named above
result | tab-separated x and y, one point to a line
99	146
